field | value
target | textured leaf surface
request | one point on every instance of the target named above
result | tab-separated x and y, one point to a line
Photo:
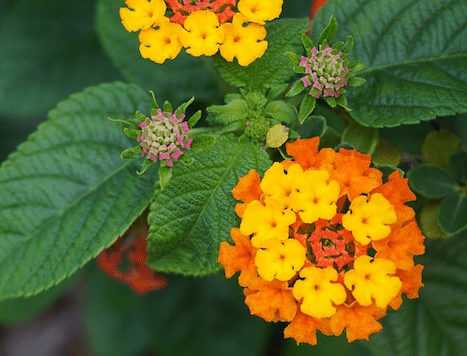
190	217
175	80
190	317
436	324
49	50
66	194
416	53
274	67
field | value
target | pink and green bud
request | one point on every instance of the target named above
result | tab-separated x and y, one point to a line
164	137
326	72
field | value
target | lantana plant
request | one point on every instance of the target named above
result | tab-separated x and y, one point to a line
337	152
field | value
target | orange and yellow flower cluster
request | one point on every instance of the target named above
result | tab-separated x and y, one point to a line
235	28
324	244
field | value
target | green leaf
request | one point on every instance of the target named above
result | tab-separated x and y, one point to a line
439	146
364	139
307	106
453	214
435	324
175	80
281	111
296	88
65	194
195	213
204	317
49	50
274	67
431	182
235	110
328	33
416	67
429	221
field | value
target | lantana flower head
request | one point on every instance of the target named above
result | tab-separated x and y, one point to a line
235	28
164	137
322	250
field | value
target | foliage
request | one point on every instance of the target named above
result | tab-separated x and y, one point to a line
66	194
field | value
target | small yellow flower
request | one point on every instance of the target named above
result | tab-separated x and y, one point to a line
318	293
373	280
259	11
316	196
141	14
243	40
266	223
368	218
280	259
162	43
280	183
203	34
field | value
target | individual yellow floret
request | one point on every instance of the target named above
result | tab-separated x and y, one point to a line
141	14
266	223
280	183
161	43
318	292
243	40
203	34
316	197
373	281
280	260
369	218
259	11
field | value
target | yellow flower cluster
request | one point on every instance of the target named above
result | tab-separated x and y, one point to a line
323	243
203	32
312	195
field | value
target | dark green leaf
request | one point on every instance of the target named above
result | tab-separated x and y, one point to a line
453	214
416	66
65	194
175	80
327	346
307	106
274	67
49	50
195	213
431	182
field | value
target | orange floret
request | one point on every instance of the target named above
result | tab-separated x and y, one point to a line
411	281
304	151
247	188
238	258
352	170
402	245
272	301
398	192
360	322
303	329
